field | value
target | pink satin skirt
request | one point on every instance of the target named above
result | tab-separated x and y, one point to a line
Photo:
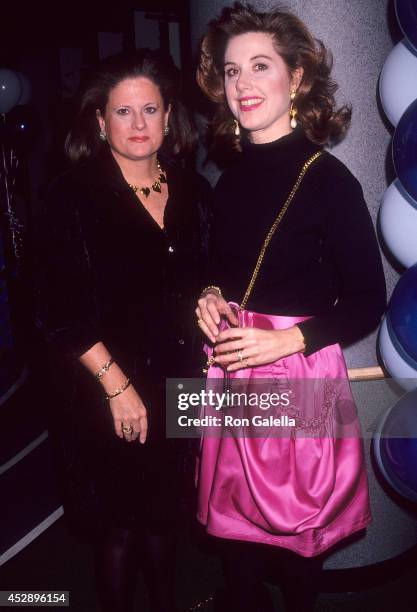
304	490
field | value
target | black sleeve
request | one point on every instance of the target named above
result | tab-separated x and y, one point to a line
205	213
67	310
352	247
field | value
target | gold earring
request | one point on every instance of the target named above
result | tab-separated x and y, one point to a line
293	110
103	136
236	128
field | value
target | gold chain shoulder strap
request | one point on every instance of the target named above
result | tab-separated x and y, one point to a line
274	227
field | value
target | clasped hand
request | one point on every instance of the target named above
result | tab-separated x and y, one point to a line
243	347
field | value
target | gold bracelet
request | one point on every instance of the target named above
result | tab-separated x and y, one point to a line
104	368
211	289
119	390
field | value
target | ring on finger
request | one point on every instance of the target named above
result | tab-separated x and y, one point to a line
239	355
127	430
199	321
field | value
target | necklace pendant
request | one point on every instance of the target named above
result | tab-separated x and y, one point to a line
156	185
145	191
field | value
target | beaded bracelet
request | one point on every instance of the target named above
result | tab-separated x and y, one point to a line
104	368
210	289
119	390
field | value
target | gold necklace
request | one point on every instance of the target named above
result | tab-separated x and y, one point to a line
156	185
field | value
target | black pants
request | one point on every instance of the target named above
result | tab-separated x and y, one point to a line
246	565
118	554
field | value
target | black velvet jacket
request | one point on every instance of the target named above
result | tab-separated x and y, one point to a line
110	274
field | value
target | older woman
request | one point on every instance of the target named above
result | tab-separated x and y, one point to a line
296	250
123	253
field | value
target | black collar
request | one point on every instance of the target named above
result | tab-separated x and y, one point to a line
287	150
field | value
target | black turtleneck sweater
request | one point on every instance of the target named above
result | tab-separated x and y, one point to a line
323	260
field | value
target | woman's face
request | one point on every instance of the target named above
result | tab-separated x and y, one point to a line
134	119
258	86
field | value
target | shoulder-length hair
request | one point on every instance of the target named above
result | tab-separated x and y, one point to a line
83	140
315	101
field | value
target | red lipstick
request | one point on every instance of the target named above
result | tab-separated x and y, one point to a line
245	106
139	138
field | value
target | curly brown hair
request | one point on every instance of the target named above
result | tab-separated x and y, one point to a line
322	122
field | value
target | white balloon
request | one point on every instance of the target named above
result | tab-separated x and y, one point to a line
10	90
398	222
398	80
405	375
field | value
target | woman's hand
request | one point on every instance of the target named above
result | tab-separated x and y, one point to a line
211	307
246	347
129	415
